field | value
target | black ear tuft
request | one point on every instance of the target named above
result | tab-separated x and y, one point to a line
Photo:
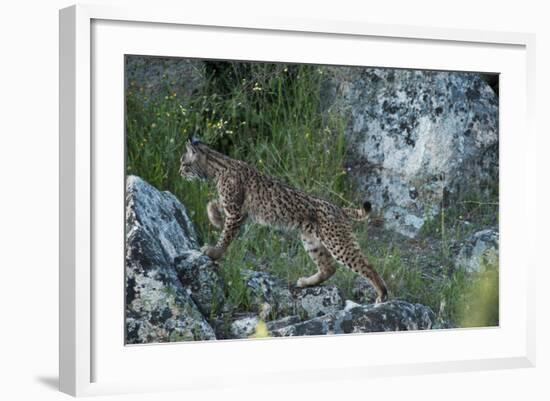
367	206
193	140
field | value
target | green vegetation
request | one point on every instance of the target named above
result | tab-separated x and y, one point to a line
270	116
481	303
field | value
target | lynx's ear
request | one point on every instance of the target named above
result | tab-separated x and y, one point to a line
192	143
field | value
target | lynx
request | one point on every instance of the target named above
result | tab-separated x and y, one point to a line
244	192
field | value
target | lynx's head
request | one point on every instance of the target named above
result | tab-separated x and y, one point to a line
201	162
193	163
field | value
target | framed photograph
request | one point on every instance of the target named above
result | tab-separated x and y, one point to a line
281	200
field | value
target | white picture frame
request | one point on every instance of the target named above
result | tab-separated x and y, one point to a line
90	363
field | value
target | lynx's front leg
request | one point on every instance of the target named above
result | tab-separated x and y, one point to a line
231	200
229	232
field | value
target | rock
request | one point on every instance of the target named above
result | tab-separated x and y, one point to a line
268	292
157	77
161	216
285	321
199	275
158	307
313	327
478	251
162	312
244	327
416	139
318	301
281	300
350	305
394	315
390	316
363	291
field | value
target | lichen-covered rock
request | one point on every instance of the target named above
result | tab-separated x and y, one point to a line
318	301
269	292
389	316
158	307
416	138
354	318
199	275
285	321
162	217
313	327
479	250
244	327
161	311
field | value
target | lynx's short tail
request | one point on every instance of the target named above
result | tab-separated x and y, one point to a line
358	214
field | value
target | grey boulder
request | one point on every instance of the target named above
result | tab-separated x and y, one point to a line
416	139
158	307
281	300
394	315
199	275
244	327
312	327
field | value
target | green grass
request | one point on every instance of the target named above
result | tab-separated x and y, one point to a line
270	116
455	222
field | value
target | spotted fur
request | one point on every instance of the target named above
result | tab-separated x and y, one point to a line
244	192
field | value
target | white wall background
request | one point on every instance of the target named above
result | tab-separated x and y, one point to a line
29	199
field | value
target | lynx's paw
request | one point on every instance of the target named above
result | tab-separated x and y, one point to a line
213	252
302	282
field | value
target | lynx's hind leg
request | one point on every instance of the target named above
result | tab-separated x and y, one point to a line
215	214
322	259
343	246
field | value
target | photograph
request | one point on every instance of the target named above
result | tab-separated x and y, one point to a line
210	200
269	200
